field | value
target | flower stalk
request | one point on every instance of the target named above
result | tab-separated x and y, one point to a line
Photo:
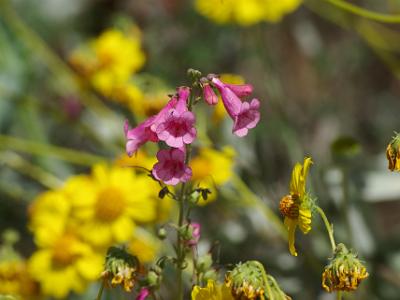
328	227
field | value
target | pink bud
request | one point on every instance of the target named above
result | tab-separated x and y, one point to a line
209	94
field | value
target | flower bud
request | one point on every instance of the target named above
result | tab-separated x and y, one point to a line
204	263
209	95
162	233
344	272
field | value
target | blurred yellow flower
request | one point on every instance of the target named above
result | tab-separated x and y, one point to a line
212	168
245	12
296	207
114	200
15	280
140	159
109	61
213	291
63	263
143	245
48	214
151	102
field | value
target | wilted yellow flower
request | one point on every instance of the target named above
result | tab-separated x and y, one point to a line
109	61
212	168
111	202
213	291
344	272
64	263
245	12
296	207
393	153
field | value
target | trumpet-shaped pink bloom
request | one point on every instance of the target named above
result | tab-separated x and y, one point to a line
143	294
177	127
146	131
209	95
245	115
139	135
171	167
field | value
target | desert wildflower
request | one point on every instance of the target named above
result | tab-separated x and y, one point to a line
344	271
297	206
108	204
211	169
171	167
393	153
120	268
64	263
246	12
213	291
244	114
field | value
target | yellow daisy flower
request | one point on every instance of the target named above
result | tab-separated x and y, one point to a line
213	291
296	207
245	12
63	263
212	168
110	203
143	245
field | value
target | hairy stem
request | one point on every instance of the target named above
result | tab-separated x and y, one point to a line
328	226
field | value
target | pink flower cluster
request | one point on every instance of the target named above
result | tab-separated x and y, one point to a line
174	125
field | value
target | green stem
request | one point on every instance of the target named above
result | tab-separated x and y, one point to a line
25	167
182	203
31	147
339	295
328	227
100	293
365	13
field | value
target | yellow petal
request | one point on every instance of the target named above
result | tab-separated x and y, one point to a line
291	225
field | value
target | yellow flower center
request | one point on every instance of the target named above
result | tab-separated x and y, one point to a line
110	204
63	251
289	206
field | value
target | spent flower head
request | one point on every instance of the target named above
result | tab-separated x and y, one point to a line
344	271
120	268
393	153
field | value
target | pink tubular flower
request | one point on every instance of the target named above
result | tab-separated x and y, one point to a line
171	167
209	95
143	294
177	128
145	131
245	115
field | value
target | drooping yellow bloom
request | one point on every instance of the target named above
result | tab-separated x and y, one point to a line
213	291
111	202
245	12
212	168
63	263
393	153
296	207
109	61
